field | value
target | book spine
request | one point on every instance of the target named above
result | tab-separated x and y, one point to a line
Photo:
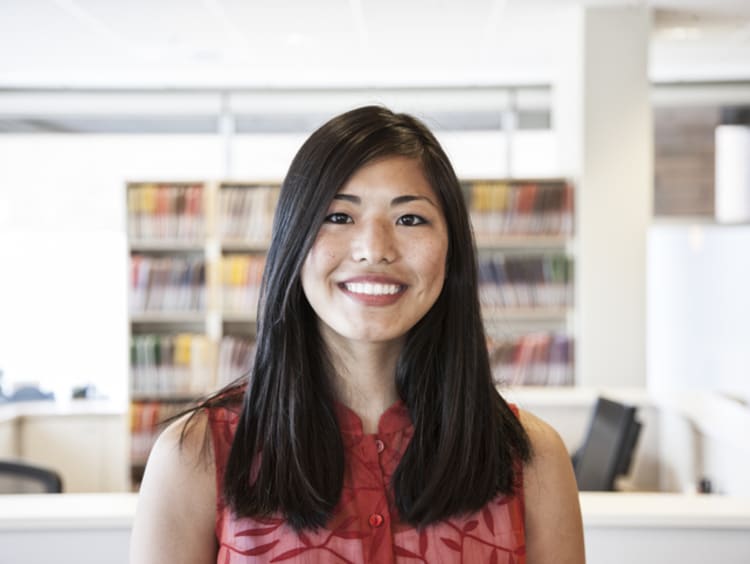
532	359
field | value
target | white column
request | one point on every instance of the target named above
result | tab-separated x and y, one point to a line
732	186
604	112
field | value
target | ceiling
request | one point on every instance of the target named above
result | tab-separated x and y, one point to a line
276	43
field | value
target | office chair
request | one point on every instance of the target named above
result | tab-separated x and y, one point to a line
607	451
19	477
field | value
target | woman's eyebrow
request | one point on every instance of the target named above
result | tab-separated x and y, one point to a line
394	202
348	198
406	199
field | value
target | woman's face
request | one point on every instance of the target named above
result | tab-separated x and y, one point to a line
378	262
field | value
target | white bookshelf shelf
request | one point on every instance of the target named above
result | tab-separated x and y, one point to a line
238	245
167	398
239	317
168	317
521	242
554	314
166	245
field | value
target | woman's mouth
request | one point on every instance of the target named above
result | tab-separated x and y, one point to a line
372	291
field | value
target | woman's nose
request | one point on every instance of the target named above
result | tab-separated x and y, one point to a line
375	243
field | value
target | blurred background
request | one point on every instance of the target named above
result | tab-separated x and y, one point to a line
632	116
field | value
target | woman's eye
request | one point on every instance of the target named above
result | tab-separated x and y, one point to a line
338	218
410	220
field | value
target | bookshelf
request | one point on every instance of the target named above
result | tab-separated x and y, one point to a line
196	256
245	216
525	244
197	252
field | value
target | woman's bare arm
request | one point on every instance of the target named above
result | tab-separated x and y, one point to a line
554	531
175	517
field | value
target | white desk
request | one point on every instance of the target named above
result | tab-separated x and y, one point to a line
620	528
86	441
66	528
665	528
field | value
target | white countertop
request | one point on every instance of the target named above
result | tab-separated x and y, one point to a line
42	408
67	511
664	510
600	510
572	396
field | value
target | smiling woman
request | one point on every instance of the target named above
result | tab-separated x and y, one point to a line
369	429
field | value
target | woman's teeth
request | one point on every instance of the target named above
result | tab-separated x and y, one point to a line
372	289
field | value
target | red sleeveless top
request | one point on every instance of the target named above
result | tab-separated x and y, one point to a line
365	526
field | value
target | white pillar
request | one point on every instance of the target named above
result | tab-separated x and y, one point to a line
732	186
604	112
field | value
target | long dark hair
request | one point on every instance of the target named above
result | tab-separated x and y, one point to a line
287	455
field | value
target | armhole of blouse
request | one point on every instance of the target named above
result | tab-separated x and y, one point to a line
219	424
518	472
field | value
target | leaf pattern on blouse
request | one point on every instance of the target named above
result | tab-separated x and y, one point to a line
365	527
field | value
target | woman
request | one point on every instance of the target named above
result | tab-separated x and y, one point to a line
370	429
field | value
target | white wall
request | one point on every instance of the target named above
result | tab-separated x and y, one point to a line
63	282
698	308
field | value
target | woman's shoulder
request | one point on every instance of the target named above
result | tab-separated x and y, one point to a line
549	465
176	512
183	452
188	439
553	517
544	439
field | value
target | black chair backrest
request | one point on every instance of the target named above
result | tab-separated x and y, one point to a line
19	477
608	449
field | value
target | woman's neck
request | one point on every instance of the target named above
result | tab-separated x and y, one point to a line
365	376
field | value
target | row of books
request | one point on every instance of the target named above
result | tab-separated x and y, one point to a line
236	356
246	212
146	422
179	366
178	283
241	275
165	211
167	366
532	208
175	283
525	281
535	359
171	211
